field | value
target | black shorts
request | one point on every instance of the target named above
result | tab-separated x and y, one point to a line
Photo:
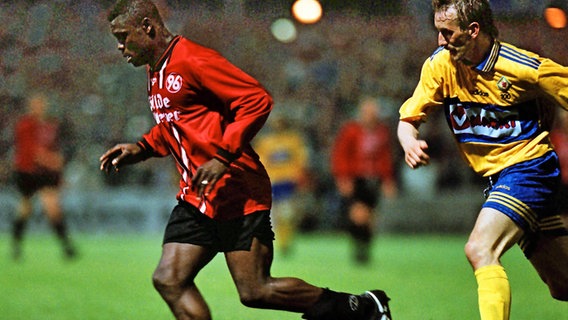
366	191
30	183
188	225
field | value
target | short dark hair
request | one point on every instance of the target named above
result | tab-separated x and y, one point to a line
470	11
135	11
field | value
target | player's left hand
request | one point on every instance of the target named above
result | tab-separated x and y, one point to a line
207	176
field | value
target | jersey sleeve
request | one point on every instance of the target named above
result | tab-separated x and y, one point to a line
26	144
342	149
25	132
553	80
246	103
428	93
153	143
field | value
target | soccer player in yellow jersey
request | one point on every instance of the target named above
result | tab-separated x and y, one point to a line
285	156
491	92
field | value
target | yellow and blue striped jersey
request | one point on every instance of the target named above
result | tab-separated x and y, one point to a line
494	109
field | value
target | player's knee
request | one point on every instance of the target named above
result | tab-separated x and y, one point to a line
164	279
252	297
471	252
252	301
159	280
477	254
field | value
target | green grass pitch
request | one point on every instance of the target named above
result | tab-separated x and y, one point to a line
427	277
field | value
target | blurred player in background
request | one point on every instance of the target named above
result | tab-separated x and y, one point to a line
38	166
362	165
284	154
491	92
207	111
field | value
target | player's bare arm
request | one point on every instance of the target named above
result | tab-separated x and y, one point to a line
207	176
414	149
121	154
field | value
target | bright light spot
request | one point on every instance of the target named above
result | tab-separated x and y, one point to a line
307	11
555	17
283	30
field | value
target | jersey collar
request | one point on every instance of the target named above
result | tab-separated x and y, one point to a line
489	62
166	54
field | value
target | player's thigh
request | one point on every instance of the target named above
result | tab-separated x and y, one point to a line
550	259
50	198
180	263
250	269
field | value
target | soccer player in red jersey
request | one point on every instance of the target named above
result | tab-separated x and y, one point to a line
38	167
362	166
207	111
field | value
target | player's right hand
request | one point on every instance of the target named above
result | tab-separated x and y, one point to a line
120	154
415	154
414	149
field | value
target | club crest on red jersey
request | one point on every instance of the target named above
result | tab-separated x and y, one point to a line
174	82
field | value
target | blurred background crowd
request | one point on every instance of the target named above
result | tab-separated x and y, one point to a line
358	49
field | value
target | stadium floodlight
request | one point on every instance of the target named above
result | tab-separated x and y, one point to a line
555	14
307	11
284	30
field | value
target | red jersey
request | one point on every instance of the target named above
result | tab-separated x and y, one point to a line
33	138
206	107
358	152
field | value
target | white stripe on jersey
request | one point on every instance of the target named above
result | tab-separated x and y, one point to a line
184	159
161	80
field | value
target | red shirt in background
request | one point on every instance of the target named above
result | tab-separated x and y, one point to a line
360	152
37	145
